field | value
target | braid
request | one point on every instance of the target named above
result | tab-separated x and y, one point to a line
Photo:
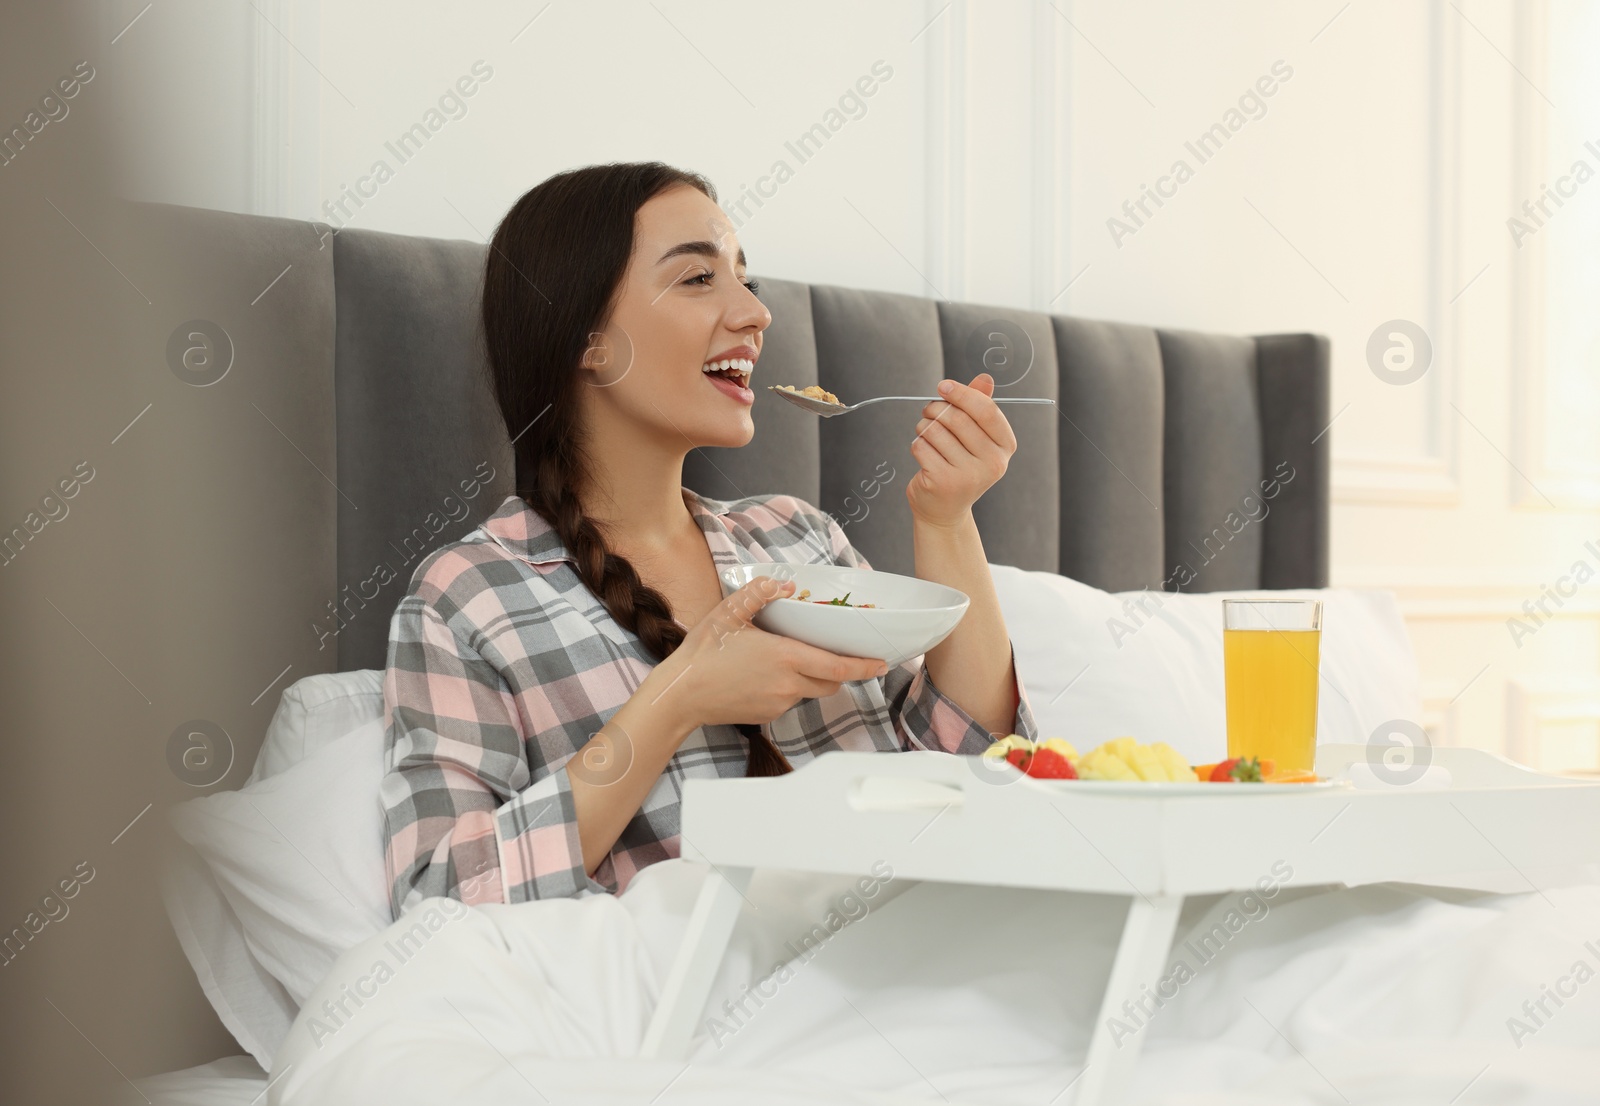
635	605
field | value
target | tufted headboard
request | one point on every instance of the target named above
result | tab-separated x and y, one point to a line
1171	459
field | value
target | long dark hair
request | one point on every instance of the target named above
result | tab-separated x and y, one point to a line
553	270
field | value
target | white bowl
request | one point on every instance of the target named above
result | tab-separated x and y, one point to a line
911	616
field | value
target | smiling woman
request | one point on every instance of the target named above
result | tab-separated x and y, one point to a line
556	674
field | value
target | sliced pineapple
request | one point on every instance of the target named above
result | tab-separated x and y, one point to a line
1146	764
1124	758
1178	770
1103	763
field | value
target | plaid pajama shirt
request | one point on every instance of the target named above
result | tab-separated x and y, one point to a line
502	665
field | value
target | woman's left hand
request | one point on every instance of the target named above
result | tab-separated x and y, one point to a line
963	444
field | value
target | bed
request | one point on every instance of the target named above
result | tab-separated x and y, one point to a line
1158	442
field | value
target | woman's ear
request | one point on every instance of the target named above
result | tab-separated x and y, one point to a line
605	360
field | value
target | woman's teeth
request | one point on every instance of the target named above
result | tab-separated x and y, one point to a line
737	369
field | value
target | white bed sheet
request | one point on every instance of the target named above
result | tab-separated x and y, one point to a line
1388	993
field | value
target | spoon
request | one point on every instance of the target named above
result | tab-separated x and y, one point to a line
828	410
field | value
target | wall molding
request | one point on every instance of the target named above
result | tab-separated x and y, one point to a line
1440	718
1052	154
285	157
1569	485
1470	594
1425	481
1432	476
1533	703
945	228
270	119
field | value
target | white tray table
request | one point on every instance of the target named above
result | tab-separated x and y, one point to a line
933	816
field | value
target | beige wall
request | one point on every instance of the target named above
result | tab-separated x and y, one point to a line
1370	179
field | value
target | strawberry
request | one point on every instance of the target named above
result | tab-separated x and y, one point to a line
1237	770
1020	758
1048	764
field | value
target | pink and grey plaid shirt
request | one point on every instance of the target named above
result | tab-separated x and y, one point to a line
502	665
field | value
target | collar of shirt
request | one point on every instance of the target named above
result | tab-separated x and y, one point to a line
524	533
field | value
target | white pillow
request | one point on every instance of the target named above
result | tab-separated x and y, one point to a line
299	857
313	711
1098	665
254	1006
257	1009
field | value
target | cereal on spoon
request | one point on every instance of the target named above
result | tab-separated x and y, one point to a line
813	391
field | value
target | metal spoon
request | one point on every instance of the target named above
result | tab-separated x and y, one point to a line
828	410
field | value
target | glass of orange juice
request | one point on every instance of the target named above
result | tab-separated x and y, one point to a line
1271	649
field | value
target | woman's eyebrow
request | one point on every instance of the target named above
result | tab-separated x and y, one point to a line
704	249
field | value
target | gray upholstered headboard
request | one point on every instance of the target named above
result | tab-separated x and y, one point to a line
1171	459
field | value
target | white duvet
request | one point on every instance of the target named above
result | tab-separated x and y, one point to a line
923	991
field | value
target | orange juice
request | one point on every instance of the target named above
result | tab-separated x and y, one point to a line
1271	682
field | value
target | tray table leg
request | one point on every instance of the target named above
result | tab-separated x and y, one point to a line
1141	957
694	969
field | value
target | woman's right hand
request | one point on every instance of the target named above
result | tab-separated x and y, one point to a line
728	671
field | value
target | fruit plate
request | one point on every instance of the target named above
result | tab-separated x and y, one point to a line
1171	789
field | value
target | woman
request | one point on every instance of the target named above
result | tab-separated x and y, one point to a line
556	674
